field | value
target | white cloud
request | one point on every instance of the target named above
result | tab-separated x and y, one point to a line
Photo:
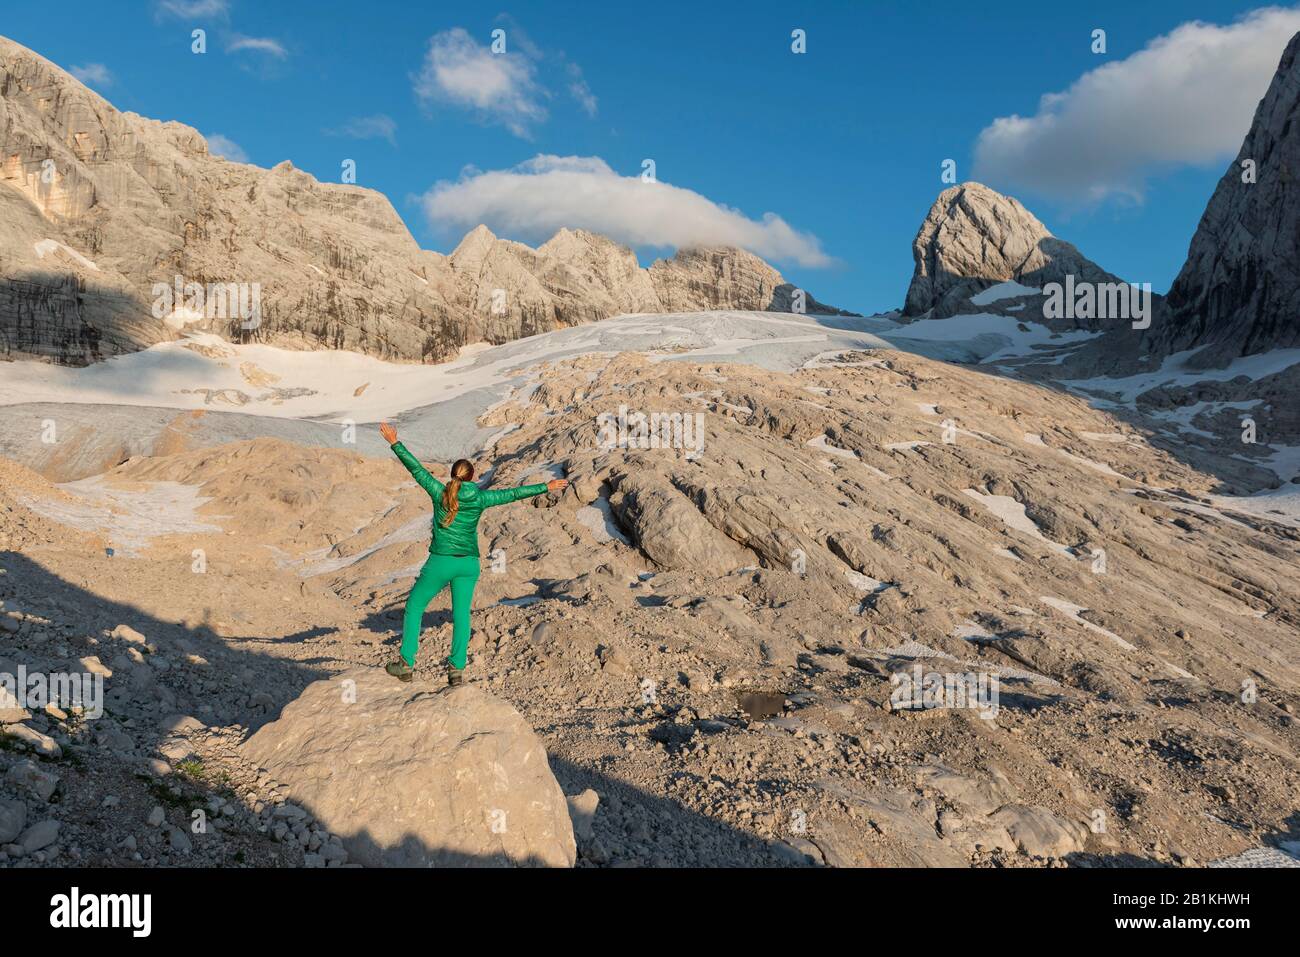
579	89
94	74
188	9
220	145
538	197
500	87
267	45
1187	98
378	126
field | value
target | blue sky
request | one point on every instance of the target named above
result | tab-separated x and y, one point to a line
843	143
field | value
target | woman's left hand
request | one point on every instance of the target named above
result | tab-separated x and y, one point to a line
556	485
388	432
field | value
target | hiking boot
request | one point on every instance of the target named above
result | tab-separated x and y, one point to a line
401	670
455	676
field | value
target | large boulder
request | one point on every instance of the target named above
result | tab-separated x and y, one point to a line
1040	833
669	529
412	777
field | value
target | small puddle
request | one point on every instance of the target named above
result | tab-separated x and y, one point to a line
760	705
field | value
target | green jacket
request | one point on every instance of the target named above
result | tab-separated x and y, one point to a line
461	536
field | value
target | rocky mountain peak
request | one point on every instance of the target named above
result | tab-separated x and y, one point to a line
975	237
718	275
1239	291
474	247
103	207
571	243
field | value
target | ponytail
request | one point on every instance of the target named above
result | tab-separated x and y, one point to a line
462	471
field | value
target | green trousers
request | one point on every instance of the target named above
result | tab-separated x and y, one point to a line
439	572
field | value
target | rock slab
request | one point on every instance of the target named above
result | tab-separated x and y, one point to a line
410	777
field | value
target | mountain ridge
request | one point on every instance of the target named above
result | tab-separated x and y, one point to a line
107	206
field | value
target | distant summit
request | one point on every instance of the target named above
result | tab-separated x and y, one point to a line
974	238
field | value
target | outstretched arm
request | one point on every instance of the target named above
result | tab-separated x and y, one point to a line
504	495
418	471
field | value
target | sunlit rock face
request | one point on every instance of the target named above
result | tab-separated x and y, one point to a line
121	232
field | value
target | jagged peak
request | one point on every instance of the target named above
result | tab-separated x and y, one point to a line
974	237
983	203
475	243
688	253
568	242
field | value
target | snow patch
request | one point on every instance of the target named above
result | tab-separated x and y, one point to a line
864	582
1072	612
48	246
1013	516
598	517
129	517
416	530
1004	290
822	443
1011	340
1173	371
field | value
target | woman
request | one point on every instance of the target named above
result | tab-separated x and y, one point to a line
453	553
